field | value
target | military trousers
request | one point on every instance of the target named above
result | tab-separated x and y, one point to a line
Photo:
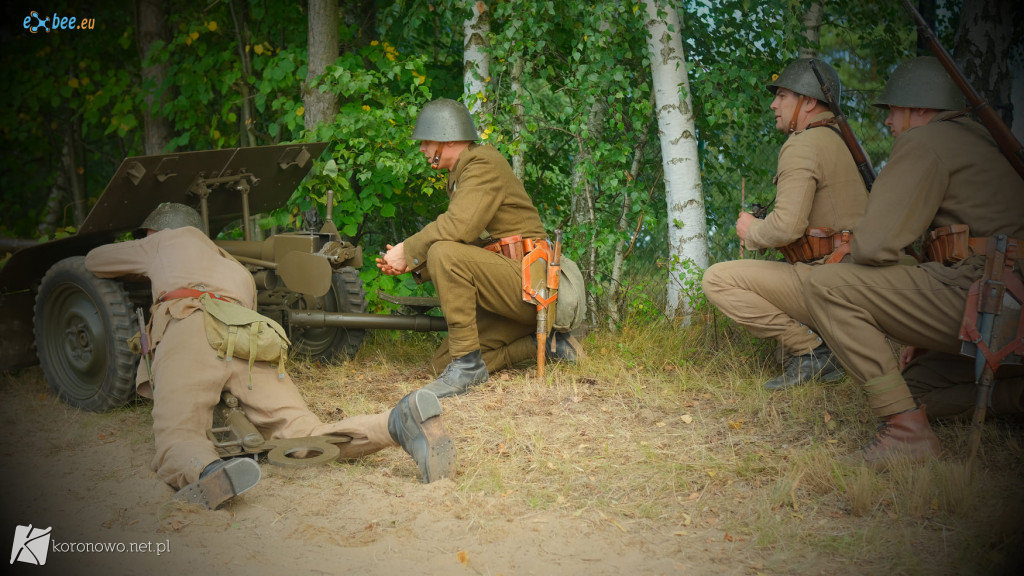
481	296
767	298
856	307
945	383
189	379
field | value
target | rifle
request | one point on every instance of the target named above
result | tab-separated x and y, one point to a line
1007	142
849	138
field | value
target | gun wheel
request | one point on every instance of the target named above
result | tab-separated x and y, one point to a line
82	325
331	344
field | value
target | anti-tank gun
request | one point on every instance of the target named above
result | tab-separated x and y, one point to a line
55	312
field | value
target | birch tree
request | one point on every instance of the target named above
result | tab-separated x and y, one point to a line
687	227
476	60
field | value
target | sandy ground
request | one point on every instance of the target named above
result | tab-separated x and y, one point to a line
87	478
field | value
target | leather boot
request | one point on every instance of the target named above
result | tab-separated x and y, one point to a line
903	435
820	364
460	375
221	481
562	347
415	423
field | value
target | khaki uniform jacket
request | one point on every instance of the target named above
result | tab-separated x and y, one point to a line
948	171
818	186
484	198
171	260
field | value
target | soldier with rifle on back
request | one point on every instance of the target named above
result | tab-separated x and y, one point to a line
820	196
948	181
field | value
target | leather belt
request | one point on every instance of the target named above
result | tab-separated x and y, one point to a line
193	293
515	247
817	243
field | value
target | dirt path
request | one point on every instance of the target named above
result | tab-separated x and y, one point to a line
86	476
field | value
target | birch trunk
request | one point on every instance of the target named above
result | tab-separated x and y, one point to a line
984	42
584	213
476	61
687	224
518	120
614	317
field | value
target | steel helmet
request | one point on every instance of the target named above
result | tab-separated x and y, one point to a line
921	82
799	78
172	215
444	120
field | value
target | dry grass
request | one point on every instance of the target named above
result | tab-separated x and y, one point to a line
666	430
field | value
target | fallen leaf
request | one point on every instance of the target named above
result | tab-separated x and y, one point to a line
736	425
686	418
828	417
728	537
463	557
660	424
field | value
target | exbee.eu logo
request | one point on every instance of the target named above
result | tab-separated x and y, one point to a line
35	23
30	545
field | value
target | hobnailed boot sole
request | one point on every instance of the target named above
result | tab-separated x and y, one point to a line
429	444
236	477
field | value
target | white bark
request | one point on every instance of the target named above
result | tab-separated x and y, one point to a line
518	120
687	226
476	61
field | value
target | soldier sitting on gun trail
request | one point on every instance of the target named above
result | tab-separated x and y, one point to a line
944	170
820	197
480	288
188	377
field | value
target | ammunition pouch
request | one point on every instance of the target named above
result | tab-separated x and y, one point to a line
953	243
948	244
513	247
818	243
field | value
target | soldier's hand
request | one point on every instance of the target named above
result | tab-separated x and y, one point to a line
393	262
743	224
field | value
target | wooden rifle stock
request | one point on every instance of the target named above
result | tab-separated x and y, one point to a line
867	173
1007	142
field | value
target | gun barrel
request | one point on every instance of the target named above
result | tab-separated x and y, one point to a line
417	323
867	172
1007	142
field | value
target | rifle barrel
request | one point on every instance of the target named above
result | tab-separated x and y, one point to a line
1007	142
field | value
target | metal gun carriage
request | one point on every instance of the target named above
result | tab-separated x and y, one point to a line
56	313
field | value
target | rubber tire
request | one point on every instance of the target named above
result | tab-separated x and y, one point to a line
334	344
82	325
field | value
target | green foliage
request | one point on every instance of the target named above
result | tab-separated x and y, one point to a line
236	72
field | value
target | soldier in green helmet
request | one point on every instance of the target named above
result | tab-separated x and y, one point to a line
188	377
820	195
480	288
947	181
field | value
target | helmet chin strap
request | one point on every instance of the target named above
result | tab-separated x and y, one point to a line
906	119
437	156
796	112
